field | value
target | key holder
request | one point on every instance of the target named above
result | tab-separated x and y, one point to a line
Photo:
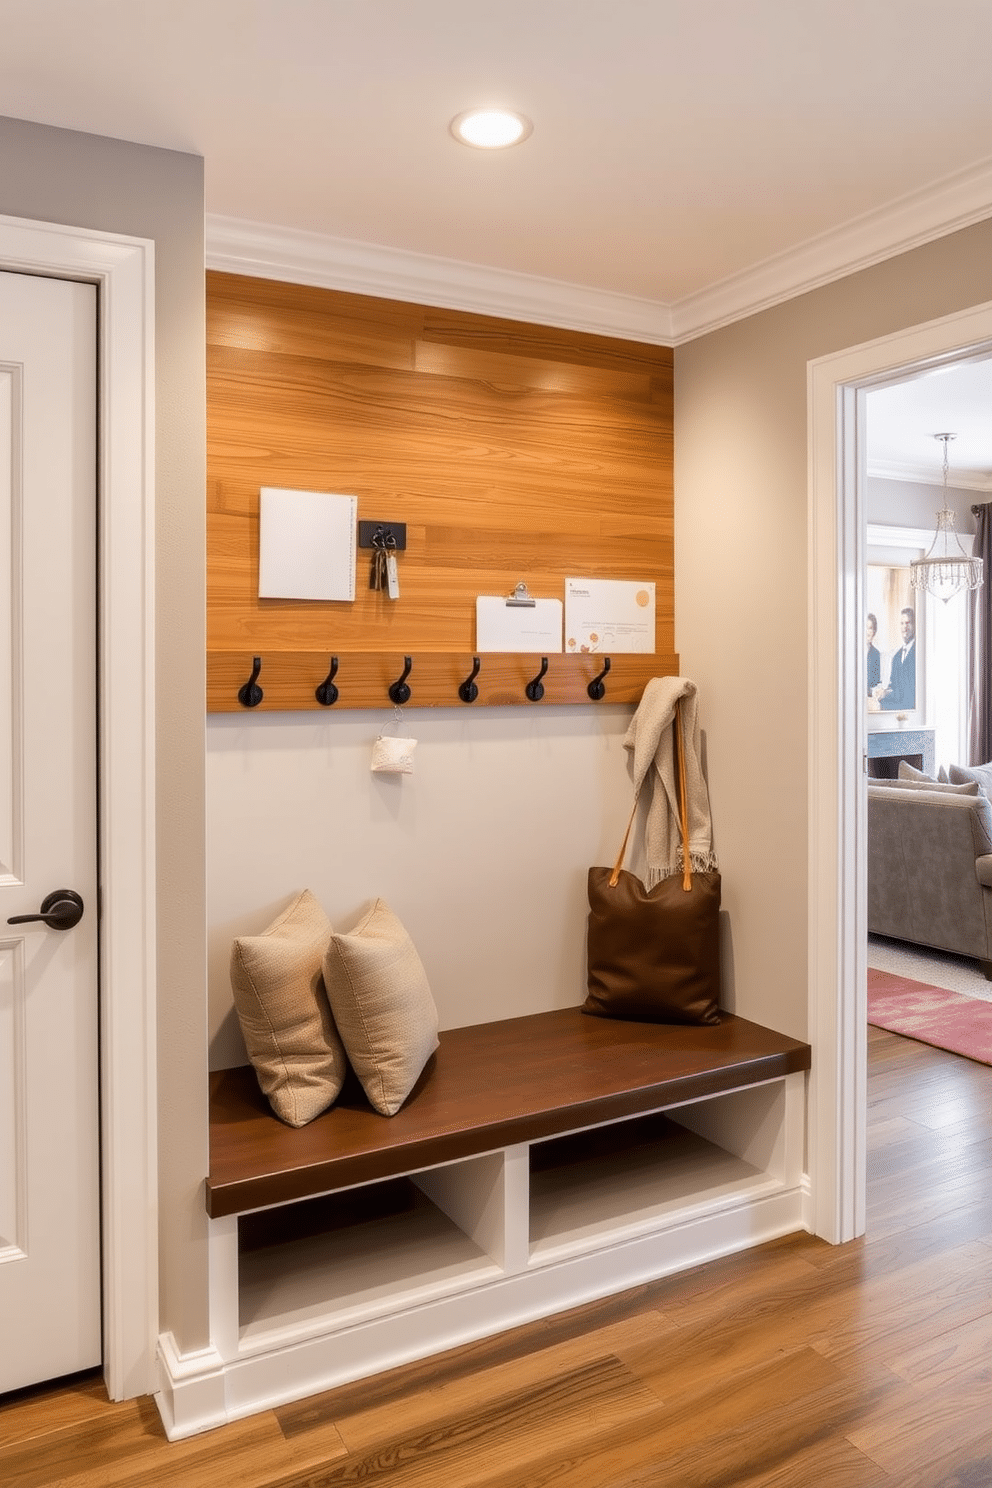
327	694
535	688
399	691
382	535
468	691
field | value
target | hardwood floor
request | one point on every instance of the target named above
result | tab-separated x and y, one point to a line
797	1363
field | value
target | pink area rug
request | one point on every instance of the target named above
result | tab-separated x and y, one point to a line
962	1025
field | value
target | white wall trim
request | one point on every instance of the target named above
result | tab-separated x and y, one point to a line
955	202
269	252
296	257
123	270
836	794
924	475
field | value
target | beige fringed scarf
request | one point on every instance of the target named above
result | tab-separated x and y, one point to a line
651	741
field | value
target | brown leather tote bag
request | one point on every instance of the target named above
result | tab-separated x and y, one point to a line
654	954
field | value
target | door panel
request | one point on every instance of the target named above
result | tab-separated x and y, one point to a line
49	1102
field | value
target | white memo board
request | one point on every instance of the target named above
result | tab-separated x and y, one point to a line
306	544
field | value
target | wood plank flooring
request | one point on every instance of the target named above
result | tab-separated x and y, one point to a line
792	1365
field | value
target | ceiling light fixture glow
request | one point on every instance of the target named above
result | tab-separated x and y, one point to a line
490	129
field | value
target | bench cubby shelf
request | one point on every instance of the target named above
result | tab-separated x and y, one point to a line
540	1163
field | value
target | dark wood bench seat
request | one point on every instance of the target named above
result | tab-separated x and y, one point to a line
488	1086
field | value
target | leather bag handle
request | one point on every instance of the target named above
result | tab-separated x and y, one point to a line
683	798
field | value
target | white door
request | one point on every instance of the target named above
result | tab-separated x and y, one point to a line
49	1107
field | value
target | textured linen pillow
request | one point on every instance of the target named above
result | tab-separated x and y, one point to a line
982	774
910	772
285	1017
382	1005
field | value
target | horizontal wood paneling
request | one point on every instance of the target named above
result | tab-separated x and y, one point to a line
512	452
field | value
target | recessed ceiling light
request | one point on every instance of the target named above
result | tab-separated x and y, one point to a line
490	129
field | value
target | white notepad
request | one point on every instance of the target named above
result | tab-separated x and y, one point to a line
306	544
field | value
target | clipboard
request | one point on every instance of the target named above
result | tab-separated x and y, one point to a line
518	623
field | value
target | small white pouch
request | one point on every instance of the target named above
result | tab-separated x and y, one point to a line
393	756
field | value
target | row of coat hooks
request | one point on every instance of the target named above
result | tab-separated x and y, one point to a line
400	691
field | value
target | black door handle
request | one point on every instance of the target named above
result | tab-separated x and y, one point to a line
60	910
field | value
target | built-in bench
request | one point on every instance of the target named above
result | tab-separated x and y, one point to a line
539	1162
488	1086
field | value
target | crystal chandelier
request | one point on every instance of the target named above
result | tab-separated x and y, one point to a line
947	568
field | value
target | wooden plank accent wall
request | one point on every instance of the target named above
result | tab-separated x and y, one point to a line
511	451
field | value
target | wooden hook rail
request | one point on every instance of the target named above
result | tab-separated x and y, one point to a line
318	680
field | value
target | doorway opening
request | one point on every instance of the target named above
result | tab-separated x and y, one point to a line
837	909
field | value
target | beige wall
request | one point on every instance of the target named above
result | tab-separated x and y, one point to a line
741	582
80	180
482	851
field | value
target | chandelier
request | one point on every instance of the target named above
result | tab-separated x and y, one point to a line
947	569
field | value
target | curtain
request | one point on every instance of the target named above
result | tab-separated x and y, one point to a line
980	644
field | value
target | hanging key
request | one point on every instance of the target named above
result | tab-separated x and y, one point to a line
392	571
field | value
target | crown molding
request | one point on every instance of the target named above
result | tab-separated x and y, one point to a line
237	247
262	251
908	222
925	475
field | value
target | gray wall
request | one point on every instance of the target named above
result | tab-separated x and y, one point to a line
898	503
80	180
741	580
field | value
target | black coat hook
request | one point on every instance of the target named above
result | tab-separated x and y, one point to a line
596	688
535	689
327	694
468	692
399	692
251	694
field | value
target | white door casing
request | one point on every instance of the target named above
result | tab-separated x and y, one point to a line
49	1089
838	914
122	268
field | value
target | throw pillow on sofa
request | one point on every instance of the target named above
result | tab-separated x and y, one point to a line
910	772
981	774
284	1013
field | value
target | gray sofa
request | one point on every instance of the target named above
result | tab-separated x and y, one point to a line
930	867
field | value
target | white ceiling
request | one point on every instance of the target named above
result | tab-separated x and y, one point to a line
690	159
903	421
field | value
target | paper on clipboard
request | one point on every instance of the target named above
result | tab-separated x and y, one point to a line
613	615
500	626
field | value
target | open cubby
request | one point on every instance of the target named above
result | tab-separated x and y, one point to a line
346	1256
636	1176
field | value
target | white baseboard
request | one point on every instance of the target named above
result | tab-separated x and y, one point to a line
191	1396
201	1389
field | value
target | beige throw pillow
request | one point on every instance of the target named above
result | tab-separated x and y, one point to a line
382	1005
910	772
285	1017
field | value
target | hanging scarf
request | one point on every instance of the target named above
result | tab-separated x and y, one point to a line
651	741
